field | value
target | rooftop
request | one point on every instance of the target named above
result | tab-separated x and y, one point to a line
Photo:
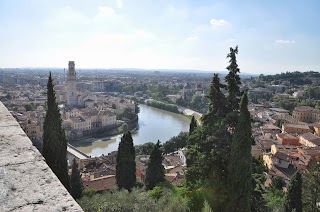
297	126
306	109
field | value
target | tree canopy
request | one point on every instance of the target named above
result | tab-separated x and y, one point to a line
155	169
126	165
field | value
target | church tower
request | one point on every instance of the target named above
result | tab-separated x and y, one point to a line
71	85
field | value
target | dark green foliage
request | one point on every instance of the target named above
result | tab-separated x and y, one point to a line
193	125
126	165
75	181
277	182
54	138
175	143
233	81
274	198
88	192
198	103
296	77
240	167
258	203
313	92
144	149
163	106
206	207
136	201
311	186
29	107
207	159
293	198
217	103
127	113
155	169
233	95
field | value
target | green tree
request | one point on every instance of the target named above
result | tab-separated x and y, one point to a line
233	82
28	107
293	198
75	181
240	167
126	165
258	203
175	143
208	154
311	186
54	138
155	169
193	125
277	182
217	103
206	207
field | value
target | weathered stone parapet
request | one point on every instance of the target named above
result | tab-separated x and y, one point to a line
26	181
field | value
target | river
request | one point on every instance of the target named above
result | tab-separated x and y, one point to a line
154	124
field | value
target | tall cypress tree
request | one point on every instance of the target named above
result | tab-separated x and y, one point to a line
75	181
293	198
126	165
208	150
240	166
217	103
193	125
311	186
54	138
233	82
155	169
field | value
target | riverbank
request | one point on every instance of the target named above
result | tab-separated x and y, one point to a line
189	113
103	134
153	125
90	140
163	106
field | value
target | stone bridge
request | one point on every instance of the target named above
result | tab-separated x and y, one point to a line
26	181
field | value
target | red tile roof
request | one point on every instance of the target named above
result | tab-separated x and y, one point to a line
101	183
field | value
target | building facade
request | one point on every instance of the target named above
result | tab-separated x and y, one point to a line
306	114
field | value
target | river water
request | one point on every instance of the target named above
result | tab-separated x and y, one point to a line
154	124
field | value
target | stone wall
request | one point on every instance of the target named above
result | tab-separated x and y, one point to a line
26	181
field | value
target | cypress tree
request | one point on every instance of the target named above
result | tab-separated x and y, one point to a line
155	169
293	198
54	138
311	186
240	166
233	82
126	165
193	125
75	181
217	103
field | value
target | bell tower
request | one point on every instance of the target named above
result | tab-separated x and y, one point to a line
71	85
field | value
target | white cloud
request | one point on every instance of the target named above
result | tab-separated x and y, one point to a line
119	4
231	40
285	41
106	11
192	38
218	23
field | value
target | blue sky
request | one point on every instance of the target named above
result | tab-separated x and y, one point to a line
273	36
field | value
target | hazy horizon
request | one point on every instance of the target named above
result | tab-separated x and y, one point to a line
273	36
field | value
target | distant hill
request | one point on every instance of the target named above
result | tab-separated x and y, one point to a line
299	78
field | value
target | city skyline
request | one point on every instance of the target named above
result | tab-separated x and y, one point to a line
273	37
